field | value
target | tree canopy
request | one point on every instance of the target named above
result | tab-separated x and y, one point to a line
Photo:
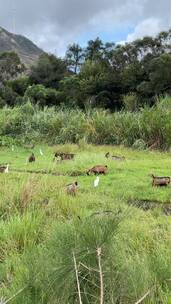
102	74
48	71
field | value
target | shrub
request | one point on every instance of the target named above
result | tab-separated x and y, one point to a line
6	141
139	144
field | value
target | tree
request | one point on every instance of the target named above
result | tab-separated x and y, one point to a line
164	41
108	49
132	76
10	66
99	85
74	57
71	93
159	76
94	50
48	71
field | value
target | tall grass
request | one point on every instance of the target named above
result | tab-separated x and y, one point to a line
56	126
135	260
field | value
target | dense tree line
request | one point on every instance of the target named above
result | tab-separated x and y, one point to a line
99	75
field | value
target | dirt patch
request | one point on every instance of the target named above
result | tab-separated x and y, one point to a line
47	172
76	173
102	213
151	205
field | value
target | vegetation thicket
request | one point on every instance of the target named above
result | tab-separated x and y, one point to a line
147	128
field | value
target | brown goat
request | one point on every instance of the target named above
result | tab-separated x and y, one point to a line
160	181
64	156
98	170
72	188
31	158
114	157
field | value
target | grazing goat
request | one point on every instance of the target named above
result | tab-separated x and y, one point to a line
114	157
160	181
4	168
64	156
72	188
98	170
31	158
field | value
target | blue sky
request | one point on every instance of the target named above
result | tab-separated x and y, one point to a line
115	35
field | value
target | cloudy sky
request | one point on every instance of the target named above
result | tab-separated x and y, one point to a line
53	24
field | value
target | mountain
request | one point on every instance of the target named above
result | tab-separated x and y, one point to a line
25	48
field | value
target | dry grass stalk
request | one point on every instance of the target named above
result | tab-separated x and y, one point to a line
144	297
77	278
99	252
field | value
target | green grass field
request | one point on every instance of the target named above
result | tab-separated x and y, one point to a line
35	209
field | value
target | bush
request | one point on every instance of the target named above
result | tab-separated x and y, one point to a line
8	95
139	144
42	96
19	85
2	102
6	141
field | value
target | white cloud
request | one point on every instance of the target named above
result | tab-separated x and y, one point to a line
53	24
148	27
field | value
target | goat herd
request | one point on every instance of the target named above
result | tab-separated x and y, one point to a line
96	170
100	169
